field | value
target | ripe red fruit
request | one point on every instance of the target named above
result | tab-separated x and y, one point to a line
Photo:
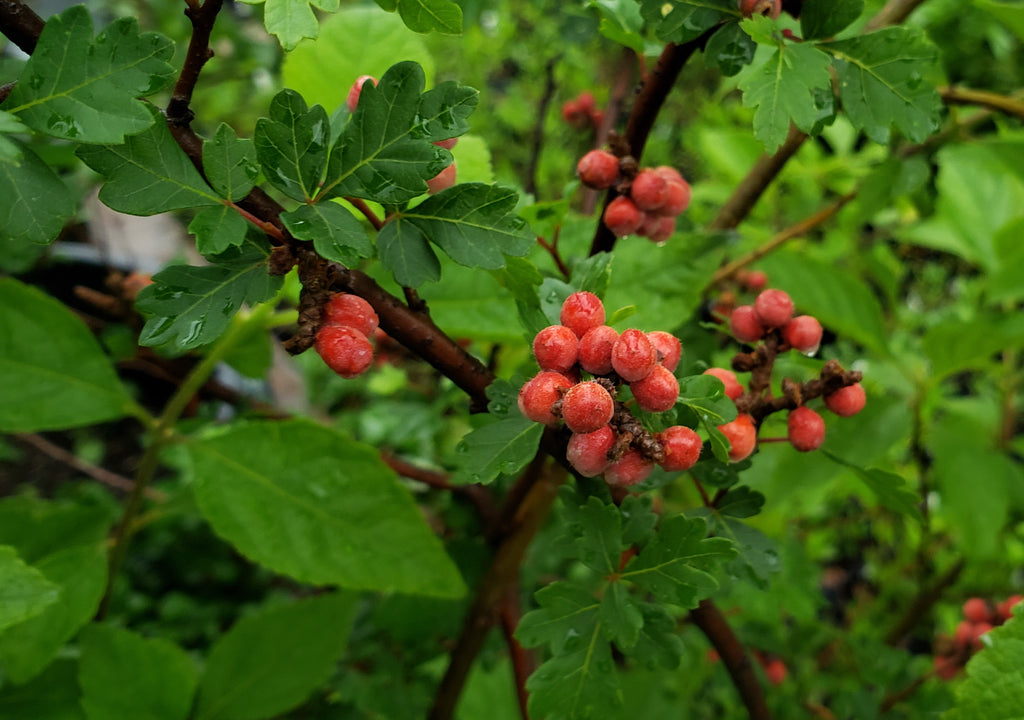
581	312
442	181
556	347
1005	608
733	388
447	144
679	195
773	308
586	101
945	667
803	333
657	228
776	671
345	350
649	191
742	436
846	401
670	350
753	280
630	469
980	629
541	392
595	354
805	429
682	448
588	452
357	88
350	310
598	169
633	355
658	391
976	610
745	325
587	407
623	217
964	633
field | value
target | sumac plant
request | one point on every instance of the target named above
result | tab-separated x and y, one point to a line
492	359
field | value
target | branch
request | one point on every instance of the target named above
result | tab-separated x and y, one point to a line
20	24
202	18
538	129
476	494
922	603
522	662
994	101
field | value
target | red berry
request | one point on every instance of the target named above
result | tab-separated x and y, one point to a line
573	114
582	311
586	101
630	469
669	173
805	429
596	350
980	629
776	671
679	195
442	181
733	388
556	347
345	350
657	228
623	217
447	144
357	88
803	333
587	407
541	392
976	610
649	190
761	7
742	436
945	667
658	391
745	325
1005	608
350	310
588	452
670	350
633	355
682	448
753	280
773	308
598	169
964	633
846	401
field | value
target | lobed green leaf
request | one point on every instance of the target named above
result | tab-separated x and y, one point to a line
292	145
335	233
502	447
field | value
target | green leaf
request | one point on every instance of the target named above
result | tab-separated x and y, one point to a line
567	613
955	345
579	684
34	202
502	447
52	370
51	695
10	150
444	111
148	174
675	566
994	688
230	163
191	306
598	531
76	88
820	19
891	489
740	502
680	21
638	519
292	145
593	273
37	528
163	677
658	645
425	16
758	556
522	279
25	591
475	225
1010	14
704	396
620	616
306	501
335	233
730	49
621	22
217	229
271	661
292	20
882	82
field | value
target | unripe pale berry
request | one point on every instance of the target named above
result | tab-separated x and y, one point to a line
733	388
803	333
345	350
598	169
596	349
623	217
357	87
805	429
586	407
588	452
976	610
742	436
682	448
633	355
649	190
670	350
745	325
556	347
679	195
630	469
350	310
658	391
442	181
846	401
773	308
541	392
582	311
447	144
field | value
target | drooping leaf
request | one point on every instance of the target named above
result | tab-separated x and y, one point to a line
994	688
230	163
309	502
502	447
957	345
740	502
10	150
292	20
423	16
292	145
730	49
335	233
891	489
821	19
680	21
34	201
52	370
78	88
25	592
593	273
217	229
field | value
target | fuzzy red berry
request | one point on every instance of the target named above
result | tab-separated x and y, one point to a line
733	388
350	310
582	311
773	308
980	630
442	181
623	217
682	447
556	347
345	350
803	333
657	228
742	436
596	350
669	173
649	190
588	452
539	393
679	196
752	280
670	350
586	407
745	325
846	401
805	429
633	355
357	88
976	610
1006	607
598	169
658	391
630	469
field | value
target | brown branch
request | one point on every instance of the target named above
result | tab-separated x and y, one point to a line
537	142
476	494
893	13
202	18
20	24
994	101
922	603
522	661
621	85
360	205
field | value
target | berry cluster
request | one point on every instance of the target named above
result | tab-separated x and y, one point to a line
980	616
650	199
581	112
343	341
606	437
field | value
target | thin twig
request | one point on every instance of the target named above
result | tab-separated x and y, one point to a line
921	604
1005	104
360	205
522	661
199	53
537	142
